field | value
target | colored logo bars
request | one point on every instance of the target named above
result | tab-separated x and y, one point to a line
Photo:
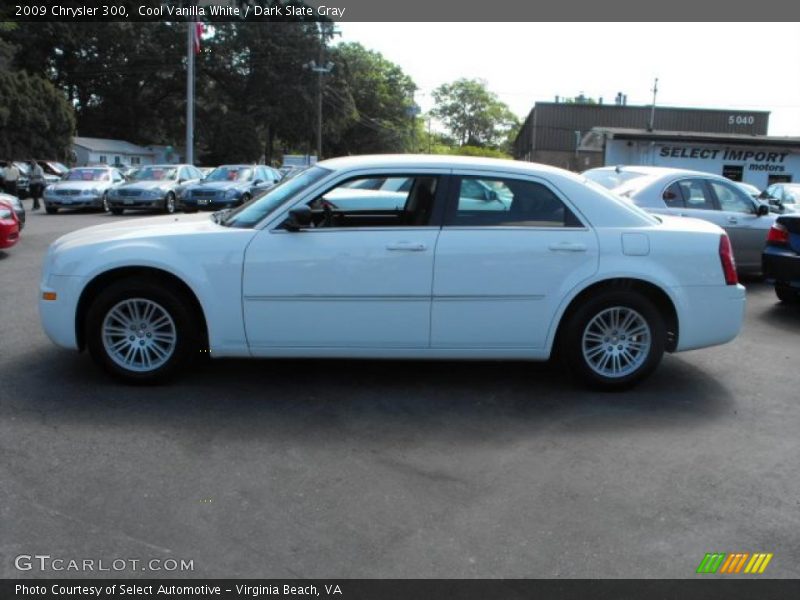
720	562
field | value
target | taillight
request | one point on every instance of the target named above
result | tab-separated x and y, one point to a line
778	235
728	263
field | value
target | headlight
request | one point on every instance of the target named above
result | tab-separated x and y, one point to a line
155	193
232	194
90	192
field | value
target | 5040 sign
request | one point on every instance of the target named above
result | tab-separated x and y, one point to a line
741	120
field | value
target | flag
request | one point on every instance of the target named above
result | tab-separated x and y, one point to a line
198	32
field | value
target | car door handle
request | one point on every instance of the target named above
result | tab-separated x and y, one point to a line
733	220
567	247
407	246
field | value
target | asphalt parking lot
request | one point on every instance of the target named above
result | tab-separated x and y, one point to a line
395	469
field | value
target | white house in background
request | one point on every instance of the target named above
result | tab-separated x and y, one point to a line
93	151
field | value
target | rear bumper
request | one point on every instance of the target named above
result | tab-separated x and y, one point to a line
709	315
781	265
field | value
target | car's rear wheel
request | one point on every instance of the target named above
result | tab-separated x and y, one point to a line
140	332
614	339
787	294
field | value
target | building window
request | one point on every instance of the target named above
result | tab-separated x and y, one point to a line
135	160
733	172
103	158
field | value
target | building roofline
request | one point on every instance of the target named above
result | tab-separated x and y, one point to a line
622	133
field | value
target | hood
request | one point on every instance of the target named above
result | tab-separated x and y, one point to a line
133	229
149	185
80	185
219	185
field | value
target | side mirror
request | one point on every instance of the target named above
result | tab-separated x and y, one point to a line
299	218
490	195
762	210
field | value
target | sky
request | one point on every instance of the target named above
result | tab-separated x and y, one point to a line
741	66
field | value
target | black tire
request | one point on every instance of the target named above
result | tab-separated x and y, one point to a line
50	210
184	327
116	211
787	294
245	199
169	203
632	303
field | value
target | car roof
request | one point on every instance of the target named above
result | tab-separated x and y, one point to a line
444	161
648	170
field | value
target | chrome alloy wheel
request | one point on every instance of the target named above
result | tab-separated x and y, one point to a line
616	342
139	335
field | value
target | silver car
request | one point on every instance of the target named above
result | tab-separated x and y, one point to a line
82	187
153	187
785	197
703	196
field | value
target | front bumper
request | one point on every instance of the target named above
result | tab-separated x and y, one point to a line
709	315
136	203
74	201
781	265
210	203
58	316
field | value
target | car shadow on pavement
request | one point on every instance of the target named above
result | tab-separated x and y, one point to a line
782	316
304	397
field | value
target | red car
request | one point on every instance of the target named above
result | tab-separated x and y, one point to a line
9	225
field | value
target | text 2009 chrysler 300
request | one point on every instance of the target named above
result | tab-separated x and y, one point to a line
541	261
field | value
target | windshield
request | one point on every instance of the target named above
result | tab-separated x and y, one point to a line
230	174
791	194
611	179
87	175
155	173
254	211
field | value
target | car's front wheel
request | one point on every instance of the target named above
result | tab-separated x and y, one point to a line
140	332
169	203
614	339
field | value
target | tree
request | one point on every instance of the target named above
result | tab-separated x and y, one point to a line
369	103
472	114
35	118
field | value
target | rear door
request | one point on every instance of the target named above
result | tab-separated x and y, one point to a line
504	263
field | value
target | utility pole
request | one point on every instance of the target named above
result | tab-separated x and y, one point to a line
320	69
190	33
653	108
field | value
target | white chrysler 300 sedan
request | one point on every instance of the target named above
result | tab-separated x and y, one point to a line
548	263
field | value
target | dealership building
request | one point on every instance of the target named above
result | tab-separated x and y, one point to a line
725	142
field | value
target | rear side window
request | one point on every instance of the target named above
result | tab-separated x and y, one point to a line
696	194
489	202
673	197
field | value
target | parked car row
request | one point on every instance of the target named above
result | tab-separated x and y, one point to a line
168	188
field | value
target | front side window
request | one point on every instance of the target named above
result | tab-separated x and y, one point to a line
696	194
491	202
731	199
351	204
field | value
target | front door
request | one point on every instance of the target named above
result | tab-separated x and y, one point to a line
358	277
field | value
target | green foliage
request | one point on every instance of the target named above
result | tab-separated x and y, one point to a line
253	96
35	119
479	151
472	114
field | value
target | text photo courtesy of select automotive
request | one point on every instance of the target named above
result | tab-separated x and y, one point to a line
291	300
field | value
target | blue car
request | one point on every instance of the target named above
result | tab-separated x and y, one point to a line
781	258
228	185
